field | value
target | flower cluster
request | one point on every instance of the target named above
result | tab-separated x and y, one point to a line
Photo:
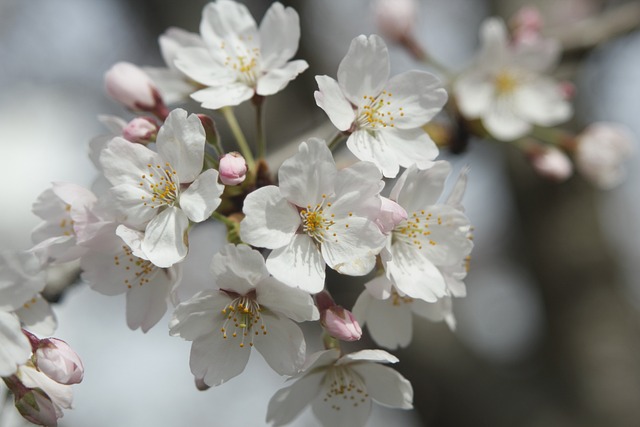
162	171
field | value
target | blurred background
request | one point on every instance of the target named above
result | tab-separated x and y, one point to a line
549	333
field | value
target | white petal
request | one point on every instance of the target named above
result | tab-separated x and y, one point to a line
309	174
371	147
449	243
385	385
540	56
436	312
502	122
362	178
379	356
125	162
60	394
21	277
270	220
199	316
416	190
172	84
294	303
541	102
411	146
278	78
379	287
279	36
283	346
202	197
474	93
336	411
224	19
330	98
216	97
299	264
288	402
147	302
15	348
181	142
165	238
419	94
494	40
414	275
134	204
38	317
200	66
133	239
353	249
365	68
238	268
389	323
173	40
217	360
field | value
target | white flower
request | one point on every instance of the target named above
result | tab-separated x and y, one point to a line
318	215
507	87
388	314
602	148
340	389
248	307
120	266
384	115
161	192
239	59
432	240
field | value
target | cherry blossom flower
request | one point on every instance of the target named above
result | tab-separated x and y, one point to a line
551	163
384	116
507	86
601	151
240	60
395	18
162	191
317	215
340	389
247	308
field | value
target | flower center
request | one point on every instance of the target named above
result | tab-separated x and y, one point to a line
244	313
344	387
415	229
138	271
505	82
243	59
378	112
66	223
315	222
161	182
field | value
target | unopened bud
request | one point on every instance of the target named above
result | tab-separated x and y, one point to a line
341	324
141	130
552	164
395	18
132	87
526	25
391	214
57	360
233	168
36	407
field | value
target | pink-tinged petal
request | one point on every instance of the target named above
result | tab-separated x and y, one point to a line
308	175
279	36
299	306
414	274
202	197
200	66
38	317
226	19
335	411
270	221
330	98
216	97
180	142
147	302
299	264
364	70
378	356
385	385
290	401
502	122
199	316
21	277
165	238
416	190
542	102
278	78
474	93
411	146
283	346
419	94
353	249
217	360
389	323
125	162
371	147
238	268
15	348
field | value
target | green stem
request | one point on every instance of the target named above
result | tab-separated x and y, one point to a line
240	139
260	135
223	219
336	140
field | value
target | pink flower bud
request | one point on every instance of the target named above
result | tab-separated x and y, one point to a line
395	18
233	168
341	324
552	164
36	407
567	89
129	85
526	24
391	214
58	361
141	130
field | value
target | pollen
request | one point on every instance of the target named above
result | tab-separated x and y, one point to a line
245	314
